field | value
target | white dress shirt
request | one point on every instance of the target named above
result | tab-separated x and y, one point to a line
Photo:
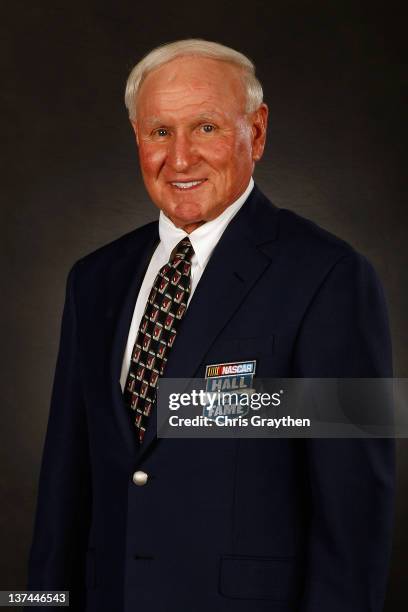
203	239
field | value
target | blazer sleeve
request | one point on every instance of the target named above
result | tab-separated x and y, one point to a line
57	556
345	333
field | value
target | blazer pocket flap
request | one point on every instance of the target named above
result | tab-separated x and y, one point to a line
273	578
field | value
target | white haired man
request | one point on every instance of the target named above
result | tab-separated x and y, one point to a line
129	522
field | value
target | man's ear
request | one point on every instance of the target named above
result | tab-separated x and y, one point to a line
134	126
259	125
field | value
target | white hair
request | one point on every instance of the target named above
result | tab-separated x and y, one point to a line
193	47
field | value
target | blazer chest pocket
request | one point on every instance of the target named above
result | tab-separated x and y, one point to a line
273	578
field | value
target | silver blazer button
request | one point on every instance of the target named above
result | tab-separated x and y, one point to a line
140	478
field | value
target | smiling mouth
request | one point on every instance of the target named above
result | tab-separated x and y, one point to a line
183	185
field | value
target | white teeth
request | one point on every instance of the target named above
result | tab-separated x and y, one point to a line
187	185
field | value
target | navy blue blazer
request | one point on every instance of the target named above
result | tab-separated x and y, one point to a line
245	525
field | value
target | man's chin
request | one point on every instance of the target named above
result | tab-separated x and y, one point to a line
188	225
185	216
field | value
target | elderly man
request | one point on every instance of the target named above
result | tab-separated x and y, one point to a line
129	522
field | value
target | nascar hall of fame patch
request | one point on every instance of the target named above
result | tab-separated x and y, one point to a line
228	384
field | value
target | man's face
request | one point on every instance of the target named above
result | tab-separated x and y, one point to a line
197	145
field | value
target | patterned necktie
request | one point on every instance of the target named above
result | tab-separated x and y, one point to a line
164	310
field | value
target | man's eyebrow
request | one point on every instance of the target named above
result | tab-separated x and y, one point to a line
207	116
151	121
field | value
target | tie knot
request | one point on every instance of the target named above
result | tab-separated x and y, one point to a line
183	251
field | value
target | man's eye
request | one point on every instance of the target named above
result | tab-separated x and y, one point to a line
207	128
161	132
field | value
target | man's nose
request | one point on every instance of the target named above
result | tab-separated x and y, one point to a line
182	153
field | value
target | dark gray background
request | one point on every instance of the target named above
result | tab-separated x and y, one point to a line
332	75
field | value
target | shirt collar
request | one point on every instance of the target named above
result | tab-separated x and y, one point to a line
205	237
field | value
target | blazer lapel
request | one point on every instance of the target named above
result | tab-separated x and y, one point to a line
126	278
240	258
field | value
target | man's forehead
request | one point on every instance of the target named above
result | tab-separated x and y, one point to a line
202	82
